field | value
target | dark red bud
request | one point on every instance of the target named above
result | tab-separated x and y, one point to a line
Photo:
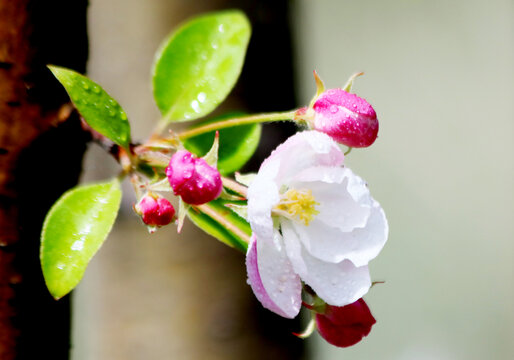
345	326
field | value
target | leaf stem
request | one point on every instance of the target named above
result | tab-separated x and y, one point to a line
206	209
244	120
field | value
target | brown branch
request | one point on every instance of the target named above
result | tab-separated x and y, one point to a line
41	147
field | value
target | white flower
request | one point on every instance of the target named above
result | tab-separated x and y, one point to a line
313	220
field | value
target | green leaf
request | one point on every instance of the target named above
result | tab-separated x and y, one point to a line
237	144
100	111
216	224
199	64
73	231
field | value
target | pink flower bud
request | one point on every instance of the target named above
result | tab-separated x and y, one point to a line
345	326
195	181
155	210
347	118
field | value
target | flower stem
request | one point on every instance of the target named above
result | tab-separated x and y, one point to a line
308	330
244	120
235	186
209	211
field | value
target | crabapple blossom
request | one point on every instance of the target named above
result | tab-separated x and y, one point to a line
312	220
155	210
347	118
345	326
195	181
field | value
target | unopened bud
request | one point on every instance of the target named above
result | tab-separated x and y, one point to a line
195	181
155	210
345	326
347	118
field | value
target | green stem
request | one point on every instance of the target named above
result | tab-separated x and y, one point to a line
235	186
244	120
206	209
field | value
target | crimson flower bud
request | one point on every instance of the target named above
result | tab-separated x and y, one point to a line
345	326
347	118
155	210
195	181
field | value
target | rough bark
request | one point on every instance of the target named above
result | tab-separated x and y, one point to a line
41	147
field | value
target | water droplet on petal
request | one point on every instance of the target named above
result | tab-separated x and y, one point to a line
96	89
333	109
85	86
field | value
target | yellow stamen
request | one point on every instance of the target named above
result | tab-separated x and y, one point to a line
297	204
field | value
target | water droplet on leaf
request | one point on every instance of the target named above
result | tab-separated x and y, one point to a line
195	105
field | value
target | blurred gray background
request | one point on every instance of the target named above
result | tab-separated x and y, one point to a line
440	76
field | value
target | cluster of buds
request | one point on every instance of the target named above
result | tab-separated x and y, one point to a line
191	178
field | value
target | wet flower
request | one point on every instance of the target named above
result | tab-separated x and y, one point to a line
155	210
345	326
195	181
313	220
347	118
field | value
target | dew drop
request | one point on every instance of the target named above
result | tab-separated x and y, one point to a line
85	86
201	97
333	109
123	116
195	105
96	89
112	113
221	28
77	245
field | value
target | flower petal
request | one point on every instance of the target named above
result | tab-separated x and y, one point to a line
262	196
333	245
339	203
302	151
336	283
272	279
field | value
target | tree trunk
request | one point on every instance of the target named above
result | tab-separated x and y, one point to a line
41	147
